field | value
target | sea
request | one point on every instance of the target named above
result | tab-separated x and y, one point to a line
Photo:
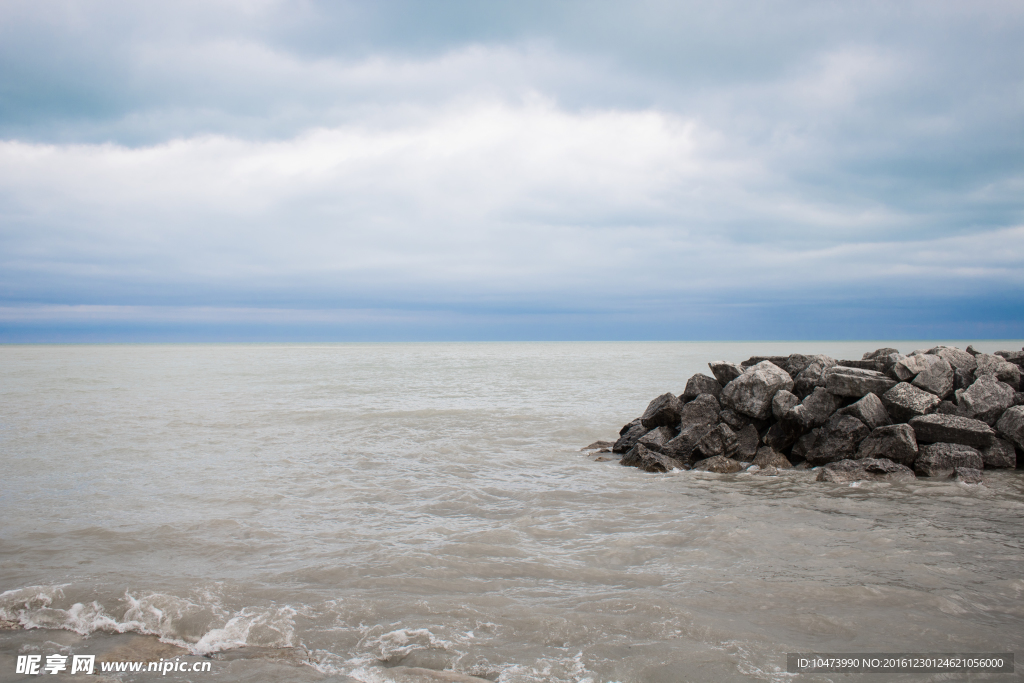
395	512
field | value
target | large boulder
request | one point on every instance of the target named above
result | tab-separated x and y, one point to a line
855	382
952	429
783	434
936	378
658	437
752	392
868	469
812	376
939	459
629	436
746	443
879	353
967	475
650	460
955	357
962	379
734	419
683	447
1011	426
1015	357
1003	370
702	410
725	372
701	384
1000	453
985	400
719	464
720	440
894	442
815	409
782	402
838	440
804	445
663	410
905	401
769	457
870	410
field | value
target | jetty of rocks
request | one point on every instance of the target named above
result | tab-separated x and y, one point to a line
940	412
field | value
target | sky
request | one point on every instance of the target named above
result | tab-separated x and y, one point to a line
263	170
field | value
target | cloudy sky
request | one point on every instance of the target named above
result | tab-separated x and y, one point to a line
298	170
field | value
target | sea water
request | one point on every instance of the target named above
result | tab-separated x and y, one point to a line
334	511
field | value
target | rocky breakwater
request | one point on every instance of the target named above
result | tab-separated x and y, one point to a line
940	412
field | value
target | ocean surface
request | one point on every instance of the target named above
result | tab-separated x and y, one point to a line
343	512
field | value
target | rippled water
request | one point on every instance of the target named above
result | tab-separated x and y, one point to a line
426	505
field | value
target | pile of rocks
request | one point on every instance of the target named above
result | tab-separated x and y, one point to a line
938	412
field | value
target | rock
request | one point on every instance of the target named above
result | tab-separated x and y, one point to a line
804	445
1003	370
734	419
769	457
838	440
870	410
962	379
703	409
971	350
719	464
782	402
955	357
1015	357
999	454
725	372
967	475
939	459
952	429
746	443
985	400
909	367
663	410
658	437
783	434
630	435
879	353
905	401
815	409
796	363
763	471
844	381
812	376
720	440
1018	398
650	460
1011	426
947	408
868	469
778	361
875	365
752	392
700	384
598	445
937	378
893	442
683	447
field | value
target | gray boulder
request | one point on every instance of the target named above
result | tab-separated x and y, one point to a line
683	447
879	353
782	402
937	378
725	372
868	469
967	475
702	410
905	401
804	445
909	366
894	442
985	400
746	443
870	410
719	464
1003	370
816	409
629	436
955	357
658	437
1018	398
952	429
1015	357
812	376
783	434
962	379
947	408
999	454
855	382
663	410
701	384
650	460
734	419
752	392
1011	426
720	440
769	457
838	440
939	459
779	361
